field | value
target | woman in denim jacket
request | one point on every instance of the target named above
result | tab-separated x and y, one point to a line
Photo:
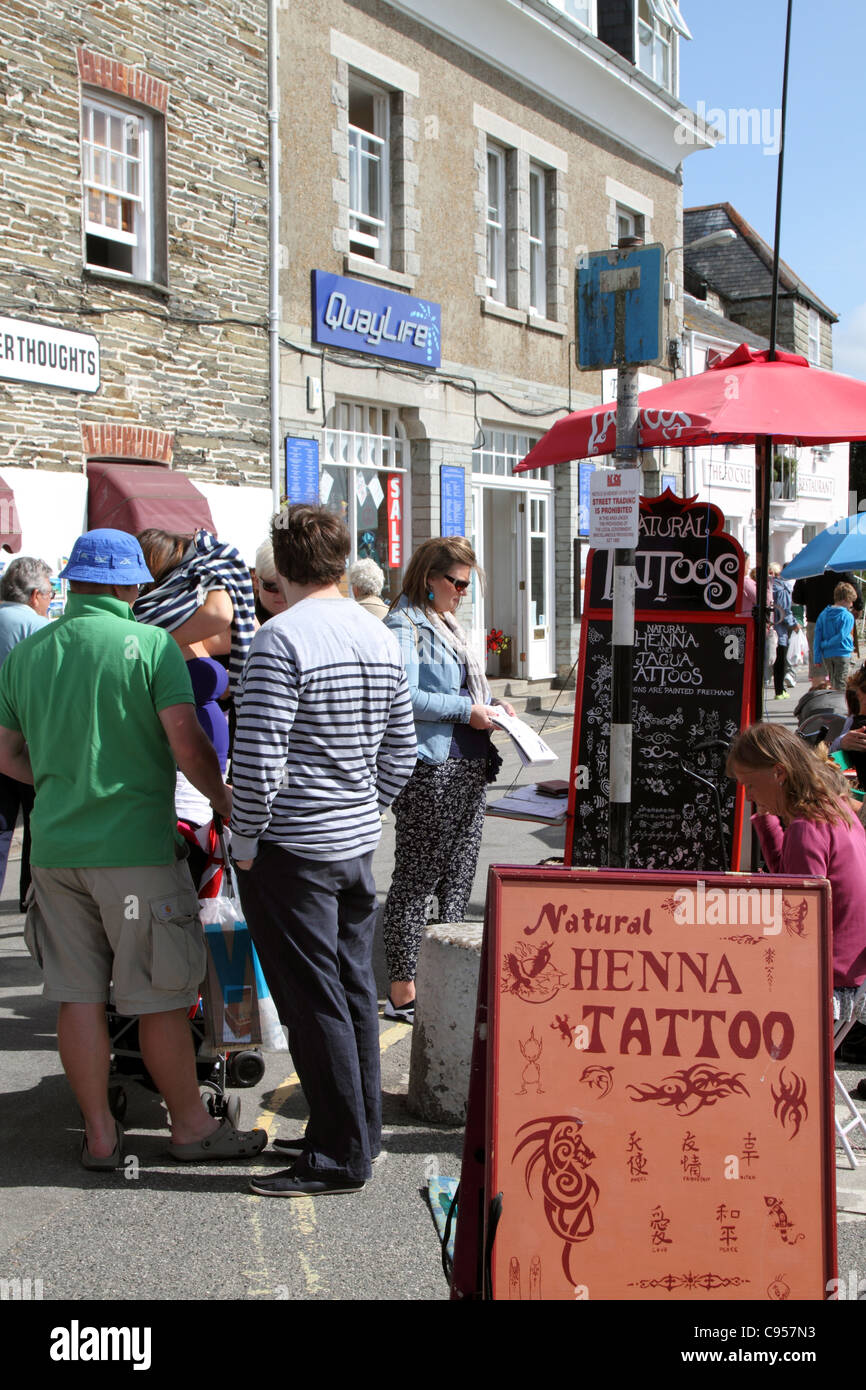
440	812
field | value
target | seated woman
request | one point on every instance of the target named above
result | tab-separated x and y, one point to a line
807	826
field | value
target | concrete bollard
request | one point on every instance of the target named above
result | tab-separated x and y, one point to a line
447	985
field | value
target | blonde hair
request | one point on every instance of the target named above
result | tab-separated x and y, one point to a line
812	790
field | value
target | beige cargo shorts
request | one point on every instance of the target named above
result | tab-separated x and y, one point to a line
129	935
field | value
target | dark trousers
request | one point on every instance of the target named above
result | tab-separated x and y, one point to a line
312	923
14	796
780	665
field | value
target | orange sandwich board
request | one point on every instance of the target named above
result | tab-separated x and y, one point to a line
651	1091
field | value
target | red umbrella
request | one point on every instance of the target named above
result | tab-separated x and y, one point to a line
740	400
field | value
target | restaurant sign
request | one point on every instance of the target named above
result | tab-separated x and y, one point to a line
48	356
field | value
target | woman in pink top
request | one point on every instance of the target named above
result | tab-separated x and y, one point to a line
806	826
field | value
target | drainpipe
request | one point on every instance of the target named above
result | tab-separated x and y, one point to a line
273	255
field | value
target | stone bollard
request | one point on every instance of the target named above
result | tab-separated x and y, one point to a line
447	985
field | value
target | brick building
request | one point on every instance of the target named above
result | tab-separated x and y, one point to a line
133	256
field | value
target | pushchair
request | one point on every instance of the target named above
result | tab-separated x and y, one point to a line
216	1070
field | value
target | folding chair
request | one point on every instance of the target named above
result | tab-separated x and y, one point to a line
840	1031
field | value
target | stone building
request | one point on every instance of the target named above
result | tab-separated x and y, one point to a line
443	166
133	257
727	302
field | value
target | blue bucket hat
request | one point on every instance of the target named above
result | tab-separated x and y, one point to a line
107	557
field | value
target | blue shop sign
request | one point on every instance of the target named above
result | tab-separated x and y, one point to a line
452	500
367	318
302	470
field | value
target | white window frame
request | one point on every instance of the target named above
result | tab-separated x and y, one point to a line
103	183
655	43
363	439
496	223
538	239
369	234
814	353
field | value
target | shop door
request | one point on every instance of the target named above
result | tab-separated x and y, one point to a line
537	585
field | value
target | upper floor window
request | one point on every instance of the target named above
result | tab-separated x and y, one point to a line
369	171
537	240
654	37
814	353
628	223
124	203
496	223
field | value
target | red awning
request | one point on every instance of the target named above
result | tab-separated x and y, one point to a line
10	526
132	497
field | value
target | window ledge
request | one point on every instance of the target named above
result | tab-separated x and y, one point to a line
546	325
96	272
372	270
497	310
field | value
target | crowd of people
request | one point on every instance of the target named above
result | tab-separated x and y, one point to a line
173	672
179	687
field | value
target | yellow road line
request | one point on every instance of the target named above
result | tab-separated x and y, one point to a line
302	1209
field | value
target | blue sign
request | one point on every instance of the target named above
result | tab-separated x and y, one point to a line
619	308
452	500
586	471
302	470
669	480
367	318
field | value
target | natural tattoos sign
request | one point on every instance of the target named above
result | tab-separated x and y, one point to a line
657	1075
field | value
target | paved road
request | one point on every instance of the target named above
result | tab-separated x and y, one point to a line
164	1232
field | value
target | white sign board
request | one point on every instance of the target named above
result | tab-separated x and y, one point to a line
614	505
49	356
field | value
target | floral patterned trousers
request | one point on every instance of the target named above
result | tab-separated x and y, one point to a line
439	817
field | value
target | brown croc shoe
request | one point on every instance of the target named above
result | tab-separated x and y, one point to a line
226	1142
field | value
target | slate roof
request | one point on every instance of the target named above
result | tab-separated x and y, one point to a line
699	319
739	270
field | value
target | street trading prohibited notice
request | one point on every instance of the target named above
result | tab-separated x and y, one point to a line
660	1107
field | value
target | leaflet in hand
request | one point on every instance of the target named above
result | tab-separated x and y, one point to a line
530	747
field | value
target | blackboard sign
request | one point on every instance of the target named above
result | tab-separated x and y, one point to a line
691	678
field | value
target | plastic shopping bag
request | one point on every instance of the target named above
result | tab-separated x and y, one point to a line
239	1009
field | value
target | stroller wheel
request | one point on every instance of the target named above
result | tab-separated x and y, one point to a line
233	1110
117	1102
245	1068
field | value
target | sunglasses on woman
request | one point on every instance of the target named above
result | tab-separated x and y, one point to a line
268	587
461	585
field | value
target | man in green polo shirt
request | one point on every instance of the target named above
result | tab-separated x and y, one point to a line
97	711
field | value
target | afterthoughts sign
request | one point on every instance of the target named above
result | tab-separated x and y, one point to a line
658	1087
48	356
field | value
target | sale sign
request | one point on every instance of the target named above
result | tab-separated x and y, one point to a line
659	1086
395	520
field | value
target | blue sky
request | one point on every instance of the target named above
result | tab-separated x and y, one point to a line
734	61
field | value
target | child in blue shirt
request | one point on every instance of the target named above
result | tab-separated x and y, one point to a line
834	642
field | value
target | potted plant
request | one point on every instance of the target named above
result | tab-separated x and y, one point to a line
500	645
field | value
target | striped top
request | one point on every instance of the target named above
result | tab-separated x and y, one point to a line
325	737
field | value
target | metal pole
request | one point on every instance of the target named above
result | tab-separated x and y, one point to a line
273	255
622	626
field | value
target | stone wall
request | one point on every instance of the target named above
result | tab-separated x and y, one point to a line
188	356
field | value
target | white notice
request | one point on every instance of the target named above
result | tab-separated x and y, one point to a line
614	505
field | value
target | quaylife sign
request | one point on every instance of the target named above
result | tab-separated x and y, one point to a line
368	318
691	678
658	1074
48	356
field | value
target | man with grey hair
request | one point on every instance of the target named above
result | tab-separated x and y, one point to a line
366	581
25	593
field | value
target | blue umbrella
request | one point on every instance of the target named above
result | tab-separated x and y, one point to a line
842	546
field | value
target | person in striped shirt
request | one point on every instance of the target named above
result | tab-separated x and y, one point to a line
325	740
